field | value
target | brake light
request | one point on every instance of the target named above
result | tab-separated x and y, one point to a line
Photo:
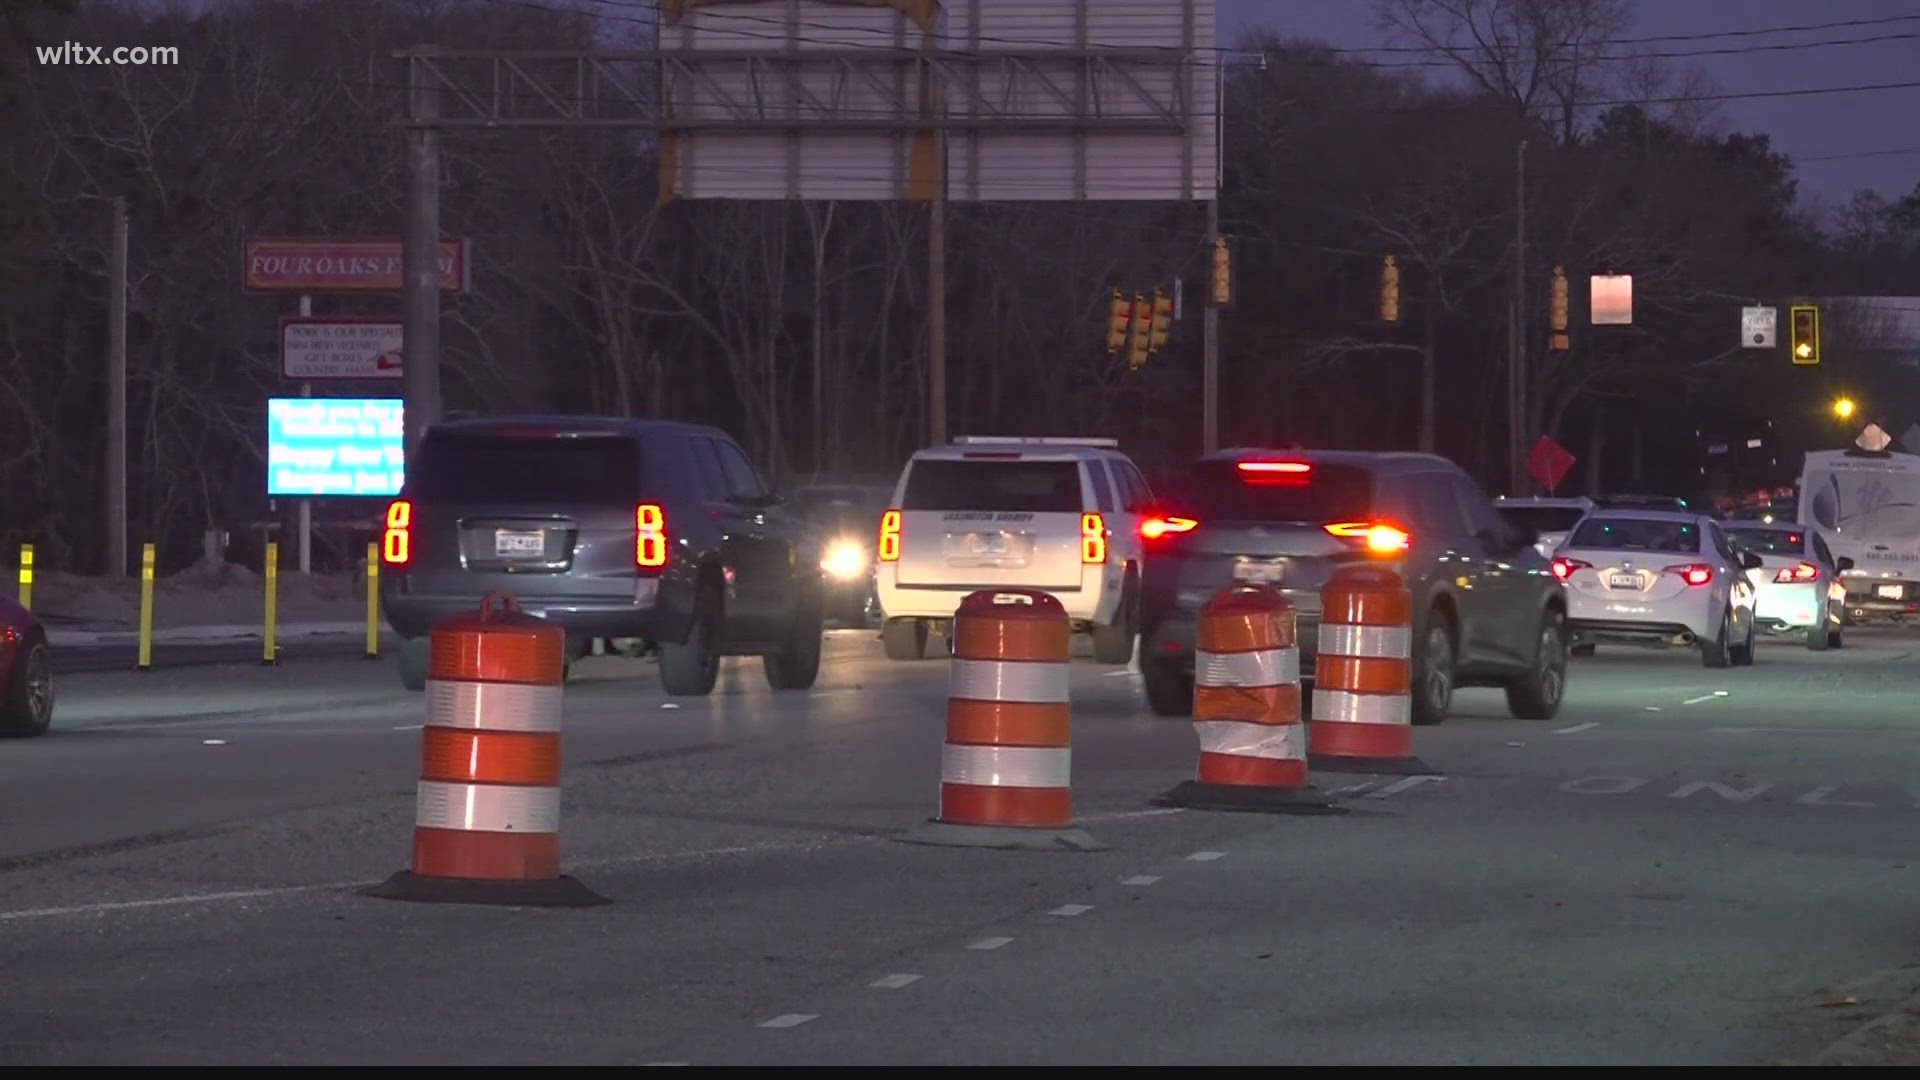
1803	572
1376	536
1564	568
396	540
1093	539
890	536
1283	473
1692	573
649	536
1154	528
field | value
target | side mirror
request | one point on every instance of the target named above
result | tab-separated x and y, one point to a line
1845	563
1750	561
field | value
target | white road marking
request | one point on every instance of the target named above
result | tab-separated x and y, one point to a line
172	901
1725	791
1650	708
1589	725
1399	786
1351	789
1126	815
1615	785
408	727
1704	697
1206	856
788	1020
213	742
1071	909
1141	879
987	943
1818	797
1118	674
893	982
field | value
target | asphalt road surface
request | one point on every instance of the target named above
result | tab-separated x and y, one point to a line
1679	869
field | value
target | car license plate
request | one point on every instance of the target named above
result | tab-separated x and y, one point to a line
1887	592
989	544
1260	572
511	542
1623	581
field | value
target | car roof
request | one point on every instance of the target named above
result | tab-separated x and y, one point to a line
1405	460
599	425
1556	502
1615	513
1027	451
1750	525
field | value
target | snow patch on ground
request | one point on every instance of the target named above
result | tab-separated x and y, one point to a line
206	594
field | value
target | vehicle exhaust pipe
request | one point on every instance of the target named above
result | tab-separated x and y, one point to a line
1684	637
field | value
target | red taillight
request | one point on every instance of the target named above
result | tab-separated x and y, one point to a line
1564	568
1803	572
649	536
1154	528
890	536
396	539
1285	473
1093	539
1692	573
1377	537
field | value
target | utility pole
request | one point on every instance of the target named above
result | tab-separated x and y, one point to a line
1517	376
937	280
1210	350
420	262
306	505
117	395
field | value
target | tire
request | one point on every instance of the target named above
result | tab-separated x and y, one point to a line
1537	694
413	663
1742	655
27	709
1169	690
1433	671
1582	650
1719	653
1820	637
690	668
1834	639
797	664
1114	644
904	639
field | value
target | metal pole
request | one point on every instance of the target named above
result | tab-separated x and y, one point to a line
1517	408
937	288
306	505
117	395
1210	350
420	259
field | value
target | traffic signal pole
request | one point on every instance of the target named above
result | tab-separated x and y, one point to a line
1210	350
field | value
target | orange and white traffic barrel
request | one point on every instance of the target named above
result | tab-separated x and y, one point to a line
1006	765
1363	674
487	808
1246	707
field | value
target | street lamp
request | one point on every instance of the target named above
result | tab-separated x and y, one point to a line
1843	407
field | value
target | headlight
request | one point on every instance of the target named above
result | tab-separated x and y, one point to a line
845	559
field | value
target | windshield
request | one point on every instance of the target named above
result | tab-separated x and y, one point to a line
1215	491
1769	541
1029	487
494	468
1636	534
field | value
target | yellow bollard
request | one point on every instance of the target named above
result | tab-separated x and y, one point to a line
373	601
146	608
267	650
26	576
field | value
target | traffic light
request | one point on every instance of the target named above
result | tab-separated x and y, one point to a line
1805	337
1389	292
1557	309
1222	272
1138	332
1162	321
1119	314
1842	407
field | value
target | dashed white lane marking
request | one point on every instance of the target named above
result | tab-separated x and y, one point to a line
987	943
1141	879
172	901
787	1020
1071	909
1206	856
1577	727
1399	786
1705	697
893	982
408	727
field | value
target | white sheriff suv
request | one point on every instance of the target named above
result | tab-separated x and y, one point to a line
1057	515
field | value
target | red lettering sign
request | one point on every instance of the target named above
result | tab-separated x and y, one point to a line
344	266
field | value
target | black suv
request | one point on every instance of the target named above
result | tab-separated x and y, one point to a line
654	535
1487	608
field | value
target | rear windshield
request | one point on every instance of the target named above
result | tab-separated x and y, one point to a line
1030	487
1636	534
1214	490
1769	541
1543	518
481	468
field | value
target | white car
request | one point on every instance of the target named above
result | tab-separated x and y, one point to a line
1799	590
1061	516
1658	577
1551	517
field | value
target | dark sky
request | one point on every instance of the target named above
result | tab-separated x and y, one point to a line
1866	126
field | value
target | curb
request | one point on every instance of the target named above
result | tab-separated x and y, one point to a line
214	635
1873	1043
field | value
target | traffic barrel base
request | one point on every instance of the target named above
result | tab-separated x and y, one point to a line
1362	702
1194	795
1005	767
487	809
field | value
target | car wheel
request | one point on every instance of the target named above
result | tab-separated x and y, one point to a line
1537	694
1114	644
904	639
1169	690
1433	673
1820	637
690	668
1718	653
797	664
1835	639
27	710
1742	655
413	663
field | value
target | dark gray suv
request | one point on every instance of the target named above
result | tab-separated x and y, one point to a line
1487	608
659	537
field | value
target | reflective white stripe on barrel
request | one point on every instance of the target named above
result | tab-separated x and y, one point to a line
1005	766
1041	682
1284	742
1347	707
493	706
487	807
1347	639
1266	667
